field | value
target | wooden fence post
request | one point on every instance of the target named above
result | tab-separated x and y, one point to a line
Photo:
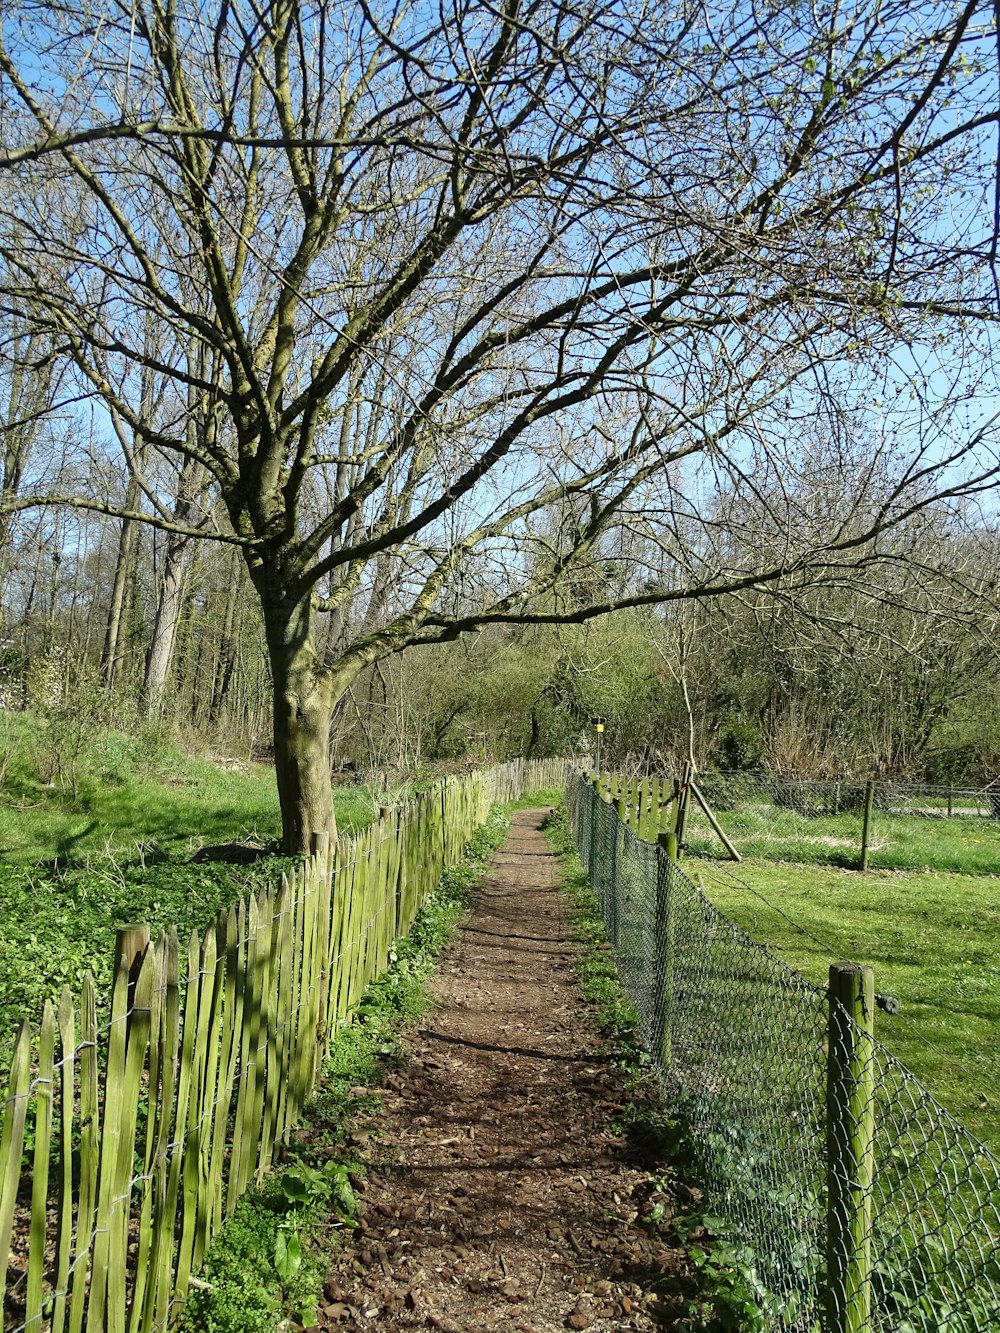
866	823
663	982
614	905
131	943
683	796
850	1110
591	796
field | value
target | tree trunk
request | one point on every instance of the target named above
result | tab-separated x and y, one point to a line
226	663
168	613
302	759
171	602
110	656
304	698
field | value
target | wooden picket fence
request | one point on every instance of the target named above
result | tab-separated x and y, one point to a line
150	1121
643	803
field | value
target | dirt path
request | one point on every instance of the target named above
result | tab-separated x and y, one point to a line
498	1194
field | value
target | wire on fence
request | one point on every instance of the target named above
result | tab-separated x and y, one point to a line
865	1205
848	822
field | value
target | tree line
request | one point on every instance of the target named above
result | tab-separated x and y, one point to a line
338	333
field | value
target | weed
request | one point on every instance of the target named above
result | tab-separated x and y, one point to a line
255	1268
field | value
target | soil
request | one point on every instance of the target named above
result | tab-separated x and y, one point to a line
500	1190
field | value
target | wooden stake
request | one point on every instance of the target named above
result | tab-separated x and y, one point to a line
710	816
683	796
850	1148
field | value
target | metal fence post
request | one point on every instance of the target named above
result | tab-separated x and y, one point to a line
850	1111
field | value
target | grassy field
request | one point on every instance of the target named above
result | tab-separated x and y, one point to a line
897	842
76	863
933	940
133	795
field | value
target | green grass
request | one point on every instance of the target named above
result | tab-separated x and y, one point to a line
73	865
933	940
535	800
905	842
111	793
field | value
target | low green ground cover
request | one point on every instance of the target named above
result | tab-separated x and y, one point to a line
933	940
114	844
111	794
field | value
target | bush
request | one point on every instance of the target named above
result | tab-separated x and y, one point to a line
739	746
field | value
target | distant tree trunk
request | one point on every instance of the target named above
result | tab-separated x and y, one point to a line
52	589
226	663
535	735
110	654
171	599
168	614
134	452
31	383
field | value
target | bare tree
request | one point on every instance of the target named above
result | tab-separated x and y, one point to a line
452	268
30	402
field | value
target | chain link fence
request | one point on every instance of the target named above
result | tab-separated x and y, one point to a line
908	825
865	1204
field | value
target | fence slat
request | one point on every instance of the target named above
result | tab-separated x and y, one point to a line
203	955
211	1090
40	1168
90	1150
112	1108
176	1192
136	1048
64	1242
238	1170
143	1266
159	1291
11	1144
219	1123
262	1018
283	964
